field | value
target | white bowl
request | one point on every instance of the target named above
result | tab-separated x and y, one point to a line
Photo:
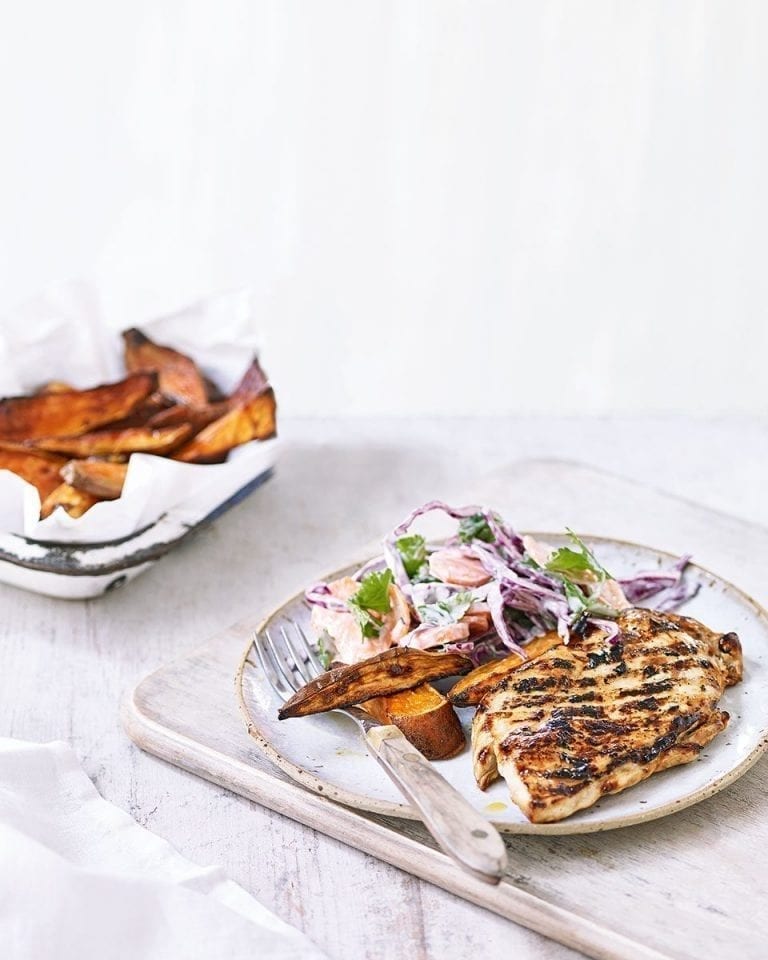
75	571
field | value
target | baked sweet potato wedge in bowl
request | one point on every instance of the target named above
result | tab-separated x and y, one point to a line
166	406
69	498
101	478
108	443
71	413
180	380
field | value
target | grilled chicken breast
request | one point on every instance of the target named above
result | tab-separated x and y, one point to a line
596	717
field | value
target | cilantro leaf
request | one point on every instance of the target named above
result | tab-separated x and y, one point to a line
569	562
374	592
585	549
596	565
325	646
372	597
475	528
413	550
447	611
369	625
570	567
578	601
581	605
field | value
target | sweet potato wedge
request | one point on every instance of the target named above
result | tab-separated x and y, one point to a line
103	443
75	502
471	689
197	417
41	470
212	391
214	442
263	413
75	412
101	478
179	376
55	386
143	414
254	382
393	671
254	421
426	718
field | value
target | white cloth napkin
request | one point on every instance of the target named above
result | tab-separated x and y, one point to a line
80	879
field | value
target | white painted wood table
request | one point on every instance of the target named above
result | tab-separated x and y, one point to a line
65	665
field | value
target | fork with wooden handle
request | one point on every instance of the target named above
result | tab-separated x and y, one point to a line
463	833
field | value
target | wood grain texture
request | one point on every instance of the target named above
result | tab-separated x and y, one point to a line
339	485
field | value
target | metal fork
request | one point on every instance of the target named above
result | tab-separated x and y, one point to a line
462	832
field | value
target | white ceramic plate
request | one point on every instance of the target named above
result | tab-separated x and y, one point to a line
326	753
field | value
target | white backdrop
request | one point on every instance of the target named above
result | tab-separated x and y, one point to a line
441	207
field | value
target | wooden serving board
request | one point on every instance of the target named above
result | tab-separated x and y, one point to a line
684	887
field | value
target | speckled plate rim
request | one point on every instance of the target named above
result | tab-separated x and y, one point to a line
368	804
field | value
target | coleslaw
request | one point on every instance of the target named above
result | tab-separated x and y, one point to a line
487	591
